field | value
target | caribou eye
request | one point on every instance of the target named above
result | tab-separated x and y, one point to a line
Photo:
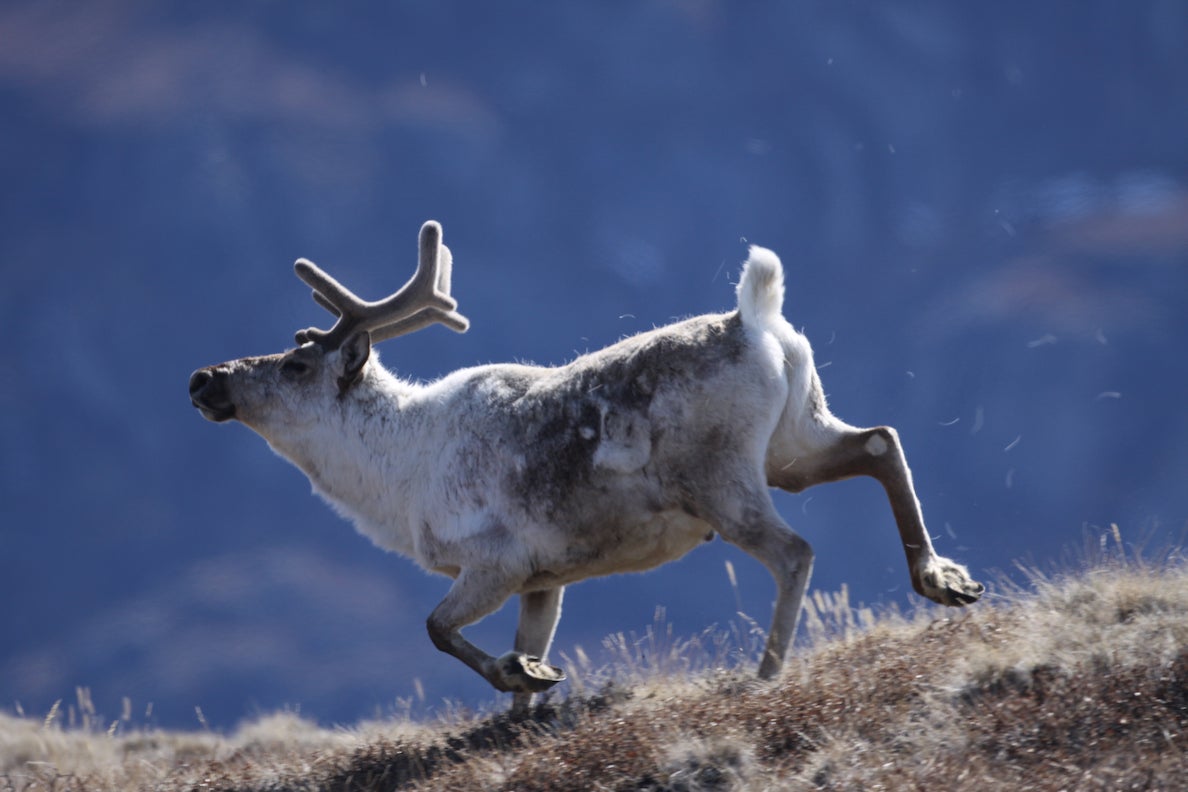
293	368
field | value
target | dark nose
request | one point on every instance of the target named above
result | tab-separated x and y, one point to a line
208	392
199	380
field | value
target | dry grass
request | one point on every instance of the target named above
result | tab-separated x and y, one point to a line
1077	682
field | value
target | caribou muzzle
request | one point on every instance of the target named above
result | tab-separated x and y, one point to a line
208	392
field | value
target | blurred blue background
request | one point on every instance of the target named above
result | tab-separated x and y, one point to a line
982	210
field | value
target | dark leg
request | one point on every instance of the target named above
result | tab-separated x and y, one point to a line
475	594
878	453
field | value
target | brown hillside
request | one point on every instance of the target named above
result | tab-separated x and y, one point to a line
1080	682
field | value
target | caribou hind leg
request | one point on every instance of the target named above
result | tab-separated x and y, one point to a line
877	453
749	520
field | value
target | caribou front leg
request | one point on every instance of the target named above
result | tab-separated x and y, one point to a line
477	593
539	612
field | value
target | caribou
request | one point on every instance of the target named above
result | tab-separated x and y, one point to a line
520	480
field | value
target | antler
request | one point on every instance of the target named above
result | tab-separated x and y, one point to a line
423	301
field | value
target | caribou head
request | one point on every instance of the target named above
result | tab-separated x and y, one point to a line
293	386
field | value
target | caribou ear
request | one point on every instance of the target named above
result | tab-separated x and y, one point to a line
354	354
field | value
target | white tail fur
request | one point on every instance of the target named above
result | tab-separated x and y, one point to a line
761	287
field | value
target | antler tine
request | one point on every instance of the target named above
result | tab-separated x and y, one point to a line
328	293
418	303
322	301
427	316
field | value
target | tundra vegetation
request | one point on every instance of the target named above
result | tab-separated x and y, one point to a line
1068	681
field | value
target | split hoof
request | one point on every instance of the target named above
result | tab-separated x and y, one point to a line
949	583
526	674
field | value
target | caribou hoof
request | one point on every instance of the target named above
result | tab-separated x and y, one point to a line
948	583
523	673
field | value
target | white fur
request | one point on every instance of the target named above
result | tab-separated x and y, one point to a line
761	287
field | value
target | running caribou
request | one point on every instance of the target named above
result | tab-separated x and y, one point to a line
515	479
